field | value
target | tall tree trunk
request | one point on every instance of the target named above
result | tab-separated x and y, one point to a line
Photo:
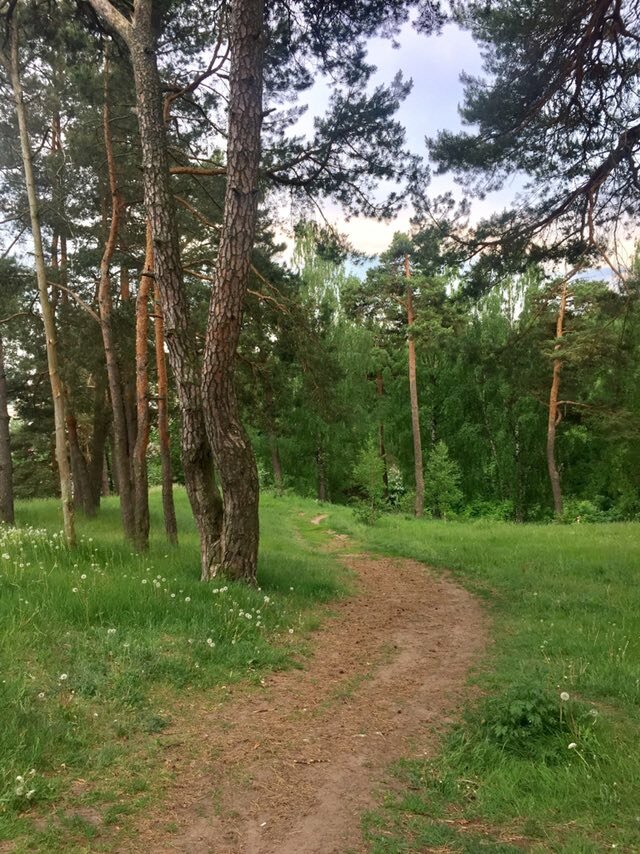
140	476
125	285
168	506
235	461
382	449
105	486
554	474
127	364
413	393
120	430
79	468
99	437
6	466
197	458
12	65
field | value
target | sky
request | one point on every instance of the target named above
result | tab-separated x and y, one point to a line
434	63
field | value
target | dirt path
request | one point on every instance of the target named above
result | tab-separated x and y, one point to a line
291	768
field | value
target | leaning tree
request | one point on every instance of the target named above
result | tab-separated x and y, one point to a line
260	58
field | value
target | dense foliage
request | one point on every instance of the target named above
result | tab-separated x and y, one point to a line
322	362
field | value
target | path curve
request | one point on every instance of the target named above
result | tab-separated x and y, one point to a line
291	768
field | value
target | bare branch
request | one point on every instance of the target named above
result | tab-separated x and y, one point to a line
77	298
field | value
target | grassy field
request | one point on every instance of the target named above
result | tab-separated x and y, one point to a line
97	643
564	774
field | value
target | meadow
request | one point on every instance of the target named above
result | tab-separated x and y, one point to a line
98	645
548	756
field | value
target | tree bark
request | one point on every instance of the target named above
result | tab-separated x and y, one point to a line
12	65
197	459
99	437
79	469
168	505
237	556
7	514
554	474
105	486
120	430
235	461
140	475
413	394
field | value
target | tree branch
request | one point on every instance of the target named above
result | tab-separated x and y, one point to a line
198	170
77	298
114	19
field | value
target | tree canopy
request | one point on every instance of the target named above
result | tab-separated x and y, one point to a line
558	105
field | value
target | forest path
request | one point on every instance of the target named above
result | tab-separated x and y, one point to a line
291	767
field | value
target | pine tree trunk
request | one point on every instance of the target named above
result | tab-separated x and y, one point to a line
413	393
235	461
168	505
105	486
140	475
120	429
99	437
12	66
6	466
197	458
79	468
554	474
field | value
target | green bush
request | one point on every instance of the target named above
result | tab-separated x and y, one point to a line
442	482
368	474
531	721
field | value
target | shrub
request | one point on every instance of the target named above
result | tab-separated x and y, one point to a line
442	482
368	474
530	720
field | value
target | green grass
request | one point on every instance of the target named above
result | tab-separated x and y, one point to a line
565	604
91	668
96	642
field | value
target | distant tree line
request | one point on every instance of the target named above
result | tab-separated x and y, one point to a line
148	332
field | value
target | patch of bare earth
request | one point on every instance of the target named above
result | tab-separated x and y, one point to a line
291	767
